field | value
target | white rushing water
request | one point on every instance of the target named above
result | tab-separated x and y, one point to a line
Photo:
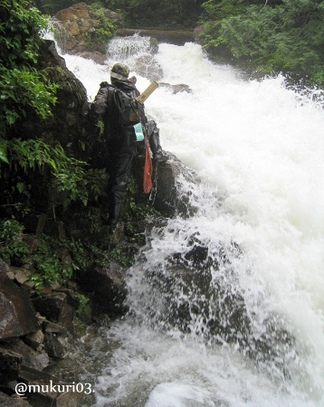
259	147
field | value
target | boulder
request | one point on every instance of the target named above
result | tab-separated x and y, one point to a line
3	266
30	358
35	340
108	288
7	401
179	87
10	363
45	391
79	23
167	196
55	340
17	314
58	306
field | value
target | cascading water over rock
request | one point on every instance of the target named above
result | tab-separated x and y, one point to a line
226	303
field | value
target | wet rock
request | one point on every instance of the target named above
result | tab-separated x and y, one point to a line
55	340
20	274
3	266
97	57
178	37
148	67
46	391
167	196
17	314
10	363
108	288
55	345
58	306
35	339
211	303
198	291
79	22
179	87
30	358
7	401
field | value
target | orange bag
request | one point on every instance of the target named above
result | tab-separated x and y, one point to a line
148	169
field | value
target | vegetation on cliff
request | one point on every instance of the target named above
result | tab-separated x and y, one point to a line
23	87
50	185
276	36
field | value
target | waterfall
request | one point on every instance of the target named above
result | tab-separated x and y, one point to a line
226	306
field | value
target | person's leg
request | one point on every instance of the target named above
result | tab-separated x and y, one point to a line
120	167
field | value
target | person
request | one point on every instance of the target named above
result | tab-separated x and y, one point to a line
121	139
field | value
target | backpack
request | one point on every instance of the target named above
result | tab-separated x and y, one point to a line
130	110
131	115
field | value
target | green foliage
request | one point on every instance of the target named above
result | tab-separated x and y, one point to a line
137	211
51	265
53	6
11	242
29	154
158	13
76	184
122	255
283	36
23	87
70	177
84	309
3	151
55	261
222	9
100	37
26	91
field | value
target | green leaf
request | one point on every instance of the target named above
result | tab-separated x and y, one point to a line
3	151
20	187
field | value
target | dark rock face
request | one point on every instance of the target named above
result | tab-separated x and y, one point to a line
17	315
69	127
55	340
31	358
108	288
10	363
170	199
68	124
58	306
7	401
30	344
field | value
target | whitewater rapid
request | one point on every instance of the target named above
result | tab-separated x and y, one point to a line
259	147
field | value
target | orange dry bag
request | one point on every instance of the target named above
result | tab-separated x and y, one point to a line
147	178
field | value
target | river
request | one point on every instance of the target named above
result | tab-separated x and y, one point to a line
258	147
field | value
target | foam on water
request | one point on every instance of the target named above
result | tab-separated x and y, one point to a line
259	148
